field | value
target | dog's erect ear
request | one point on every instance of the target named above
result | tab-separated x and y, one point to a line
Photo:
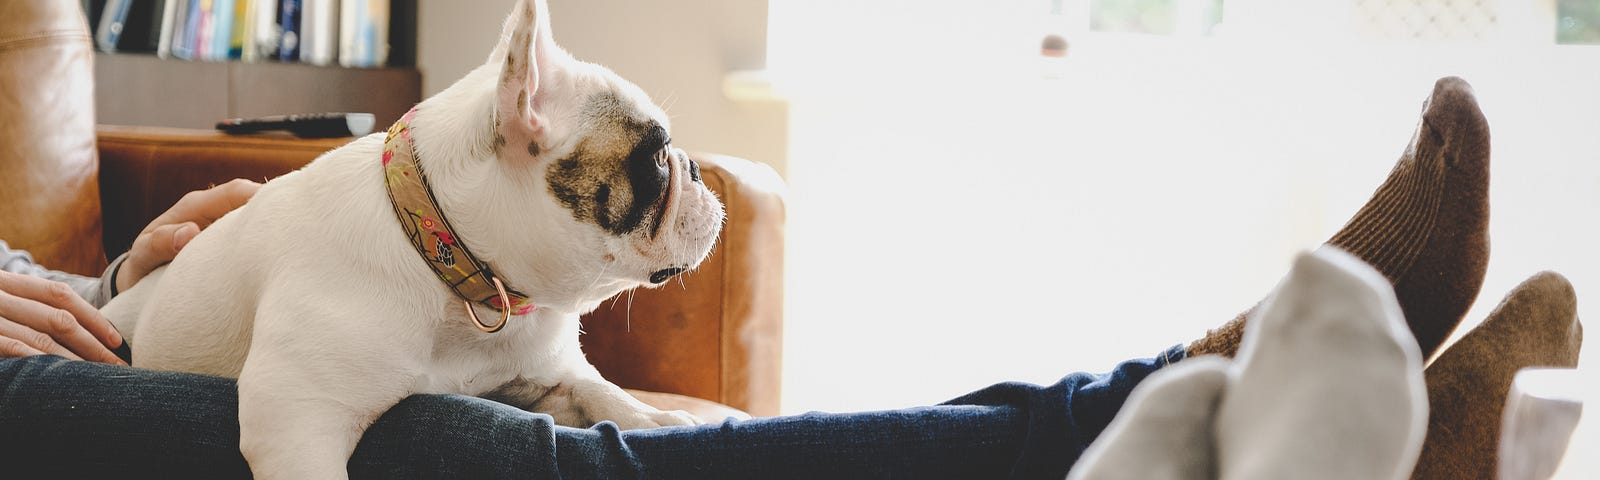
527	52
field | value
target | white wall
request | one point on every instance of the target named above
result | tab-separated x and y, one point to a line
678	52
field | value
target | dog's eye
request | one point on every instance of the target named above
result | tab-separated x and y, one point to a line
662	155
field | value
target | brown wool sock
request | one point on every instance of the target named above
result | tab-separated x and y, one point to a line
1536	325
1425	229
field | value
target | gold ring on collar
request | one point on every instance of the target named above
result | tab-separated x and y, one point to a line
505	313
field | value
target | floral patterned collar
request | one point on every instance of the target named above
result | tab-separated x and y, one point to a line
430	232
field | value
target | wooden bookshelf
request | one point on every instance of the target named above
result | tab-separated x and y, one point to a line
138	88
135	89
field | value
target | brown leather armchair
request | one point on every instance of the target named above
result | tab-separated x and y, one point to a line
73	193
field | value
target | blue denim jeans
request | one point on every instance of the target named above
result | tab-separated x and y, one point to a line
69	419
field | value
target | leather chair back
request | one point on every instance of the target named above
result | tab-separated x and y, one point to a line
49	190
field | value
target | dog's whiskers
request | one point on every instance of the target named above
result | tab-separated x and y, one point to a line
669	102
629	315
614	299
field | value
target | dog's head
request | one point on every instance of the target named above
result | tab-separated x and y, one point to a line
566	171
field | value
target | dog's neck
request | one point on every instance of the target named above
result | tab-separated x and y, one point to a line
435	239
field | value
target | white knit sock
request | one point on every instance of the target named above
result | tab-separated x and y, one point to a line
1328	383
1163	432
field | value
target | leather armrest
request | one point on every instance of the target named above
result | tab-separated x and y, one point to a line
49	202
144	170
716	335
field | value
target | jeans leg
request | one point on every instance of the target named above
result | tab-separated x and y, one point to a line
1064	418
71	419
68	419
465	437
1010	430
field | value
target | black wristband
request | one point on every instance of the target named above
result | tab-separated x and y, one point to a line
115	271
124	352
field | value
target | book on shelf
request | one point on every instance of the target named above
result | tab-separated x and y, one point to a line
350	33
169	13
220	30
289	23
268	29
364	33
200	38
204	29
319	31
241	28
260	39
178	45
113	19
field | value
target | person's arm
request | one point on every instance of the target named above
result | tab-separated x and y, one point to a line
95	290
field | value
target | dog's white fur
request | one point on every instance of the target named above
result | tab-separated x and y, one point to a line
313	298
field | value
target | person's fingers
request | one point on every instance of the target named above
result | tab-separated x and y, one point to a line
205	206
161	245
30	341
59	295
59	325
13	348
181	237
154	248
52	308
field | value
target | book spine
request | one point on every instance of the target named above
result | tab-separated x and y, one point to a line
221	29
243	11
183	31
378	35
111	24
262	42
169	24
364	33
351	14
319	32
267	31
289	20
203	30
157	12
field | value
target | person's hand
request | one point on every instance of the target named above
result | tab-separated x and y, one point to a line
167	234
39	316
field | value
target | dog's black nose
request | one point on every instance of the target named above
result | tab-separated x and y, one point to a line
663	274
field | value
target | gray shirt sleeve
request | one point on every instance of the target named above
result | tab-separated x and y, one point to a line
97	291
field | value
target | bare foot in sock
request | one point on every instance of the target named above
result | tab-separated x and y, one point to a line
1328	383
1164	430
1425	229
1536	325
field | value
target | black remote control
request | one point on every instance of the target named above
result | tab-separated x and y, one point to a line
311	125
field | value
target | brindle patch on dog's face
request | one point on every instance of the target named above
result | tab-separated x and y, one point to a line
615	178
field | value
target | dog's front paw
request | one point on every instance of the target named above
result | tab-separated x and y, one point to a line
652	418
600	401
674	418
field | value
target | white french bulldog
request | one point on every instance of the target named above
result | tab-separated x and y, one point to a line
557	172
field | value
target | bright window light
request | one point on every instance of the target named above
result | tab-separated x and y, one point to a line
965	210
